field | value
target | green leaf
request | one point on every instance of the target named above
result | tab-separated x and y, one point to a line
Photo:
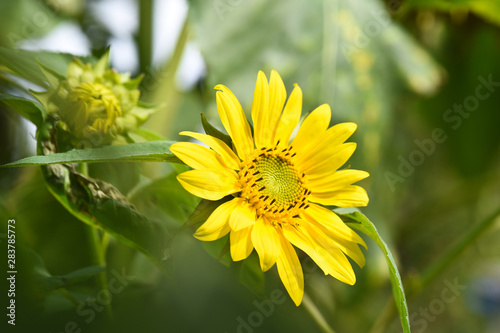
360	222
25	63
47	282
210	130
338	62
101	205
52	76
169	196
30	110
203	211
145	135
75	277
154	151
219	249
22	64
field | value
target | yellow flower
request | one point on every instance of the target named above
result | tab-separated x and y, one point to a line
278	186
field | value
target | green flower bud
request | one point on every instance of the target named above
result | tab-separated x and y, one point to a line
94	103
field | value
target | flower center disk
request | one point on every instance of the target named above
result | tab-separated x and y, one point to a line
272	184
280	180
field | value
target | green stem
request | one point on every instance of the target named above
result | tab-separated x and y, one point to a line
448	257
71	298
145	36
97	247
434	270
316	314
164	92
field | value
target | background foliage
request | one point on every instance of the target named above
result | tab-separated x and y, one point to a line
399	69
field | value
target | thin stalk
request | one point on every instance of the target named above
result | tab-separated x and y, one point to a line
434	270
449	256
97	247
316	314
145	35
162	90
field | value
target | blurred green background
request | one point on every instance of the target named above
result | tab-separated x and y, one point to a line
421	78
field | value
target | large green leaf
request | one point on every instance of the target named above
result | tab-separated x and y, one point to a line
360	222
349	54
32	111
25	63
101	205
154	151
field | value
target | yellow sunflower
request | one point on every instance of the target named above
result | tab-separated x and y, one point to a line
278	185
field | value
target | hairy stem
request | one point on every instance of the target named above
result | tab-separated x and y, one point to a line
97	247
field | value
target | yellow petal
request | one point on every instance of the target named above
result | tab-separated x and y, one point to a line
260	109
243	216
332	222
227	155
290	271
337	134
217	224
197	157
332	181
329	258
323	145
351	249
328	160
331	252
210	184
241	243
277	98
234	121
290	117
350	196
266	241
313	127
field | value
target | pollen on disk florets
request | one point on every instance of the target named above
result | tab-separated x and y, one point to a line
272	184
